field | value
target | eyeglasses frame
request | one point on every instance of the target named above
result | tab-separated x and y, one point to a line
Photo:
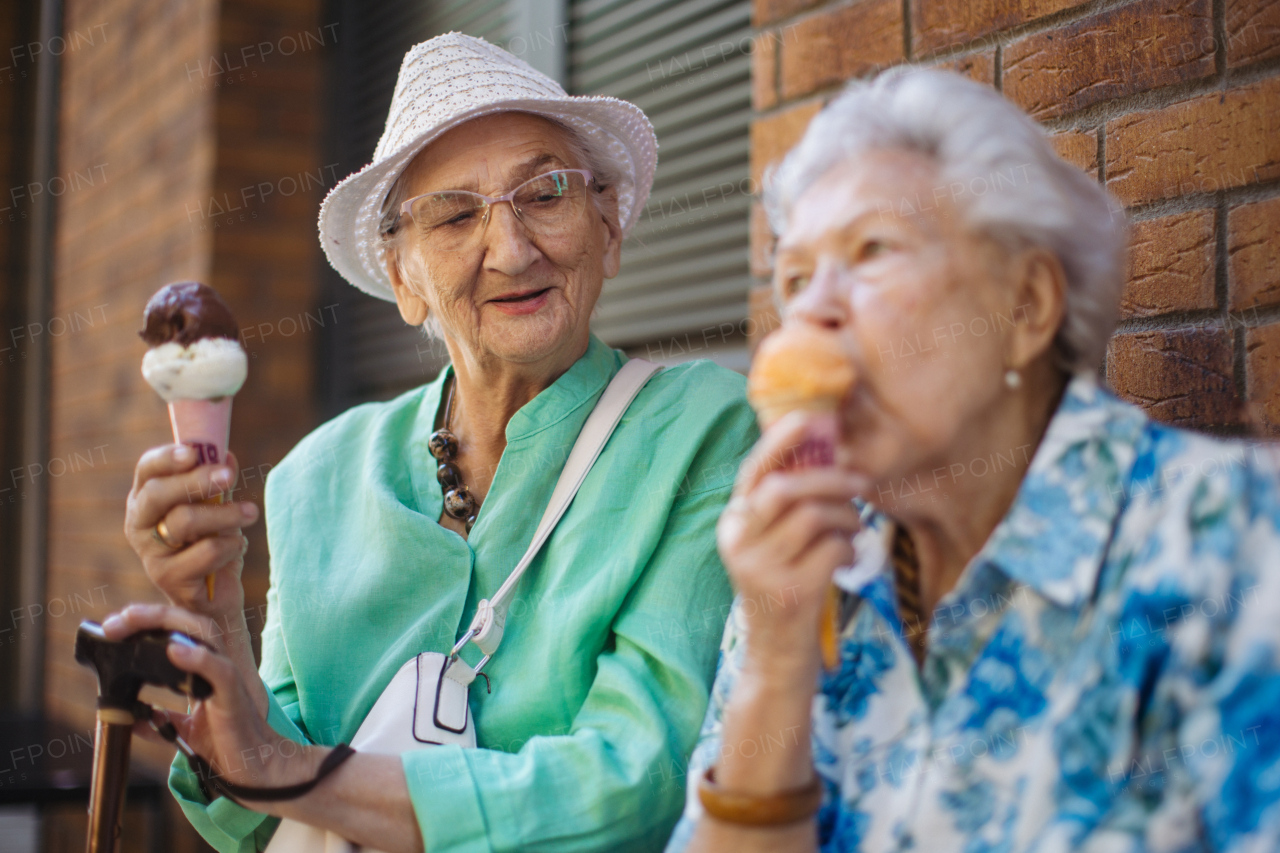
489	202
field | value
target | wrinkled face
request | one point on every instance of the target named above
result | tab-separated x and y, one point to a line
923	306
511	294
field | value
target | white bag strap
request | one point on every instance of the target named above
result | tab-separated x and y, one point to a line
491	614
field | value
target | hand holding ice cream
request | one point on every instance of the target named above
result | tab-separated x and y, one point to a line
804	368
196	364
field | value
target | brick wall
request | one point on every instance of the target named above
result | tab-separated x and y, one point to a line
1174	105
190	138
265	256
135	141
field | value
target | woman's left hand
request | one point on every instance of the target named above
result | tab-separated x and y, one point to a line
226	728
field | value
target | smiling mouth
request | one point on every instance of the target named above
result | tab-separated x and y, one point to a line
525	296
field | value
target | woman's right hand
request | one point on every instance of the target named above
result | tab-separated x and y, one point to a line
782	536
167	486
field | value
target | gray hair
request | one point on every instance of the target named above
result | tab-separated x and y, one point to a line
996	164
607	170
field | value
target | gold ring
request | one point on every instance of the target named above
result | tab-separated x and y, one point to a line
161	534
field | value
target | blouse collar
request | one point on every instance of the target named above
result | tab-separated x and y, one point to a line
585	379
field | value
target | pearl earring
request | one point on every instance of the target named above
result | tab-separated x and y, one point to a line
1012	378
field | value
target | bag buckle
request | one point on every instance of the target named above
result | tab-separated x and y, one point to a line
487	625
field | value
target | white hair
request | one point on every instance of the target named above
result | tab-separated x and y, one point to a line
997	166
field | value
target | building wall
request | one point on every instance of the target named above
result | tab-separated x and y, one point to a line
266	256
190	137
136	141
1174	105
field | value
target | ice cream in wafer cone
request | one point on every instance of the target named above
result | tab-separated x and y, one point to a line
196	364
805	368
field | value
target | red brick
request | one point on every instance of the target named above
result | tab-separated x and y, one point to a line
1253	255
762	241
764	72
1170	265
773	137
1262	372
1253	31
830	47
1117	52
976	66
1180	376
767	11
1204	144
1078	148
763	315
945	23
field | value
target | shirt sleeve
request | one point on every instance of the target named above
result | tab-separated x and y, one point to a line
227	826
616	780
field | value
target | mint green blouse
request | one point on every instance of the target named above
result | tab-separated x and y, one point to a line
610	645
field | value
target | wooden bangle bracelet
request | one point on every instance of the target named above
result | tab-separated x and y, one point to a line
783	807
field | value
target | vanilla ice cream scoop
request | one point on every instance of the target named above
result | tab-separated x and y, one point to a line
196	364
195	353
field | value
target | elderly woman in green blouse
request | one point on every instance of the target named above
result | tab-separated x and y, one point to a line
601	683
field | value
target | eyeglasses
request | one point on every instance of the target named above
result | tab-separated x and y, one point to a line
549	205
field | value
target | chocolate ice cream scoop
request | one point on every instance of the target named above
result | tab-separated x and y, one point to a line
185	312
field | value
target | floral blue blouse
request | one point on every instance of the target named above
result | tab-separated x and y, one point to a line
1104	676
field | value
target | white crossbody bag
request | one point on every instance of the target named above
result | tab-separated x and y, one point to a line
426	702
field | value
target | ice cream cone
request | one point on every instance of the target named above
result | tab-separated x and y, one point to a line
195	363
205	427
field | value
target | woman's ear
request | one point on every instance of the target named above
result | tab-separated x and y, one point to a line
413	308
607	204
1039	305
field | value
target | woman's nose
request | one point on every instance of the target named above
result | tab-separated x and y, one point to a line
825	302
509	248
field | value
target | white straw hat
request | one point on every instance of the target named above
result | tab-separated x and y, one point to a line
444	82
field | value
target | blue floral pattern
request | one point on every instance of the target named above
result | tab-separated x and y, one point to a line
1104	676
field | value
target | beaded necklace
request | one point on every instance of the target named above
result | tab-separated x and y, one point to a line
459	503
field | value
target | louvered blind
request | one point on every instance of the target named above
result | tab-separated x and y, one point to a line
687	64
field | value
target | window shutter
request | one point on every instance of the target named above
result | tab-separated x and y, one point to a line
687	64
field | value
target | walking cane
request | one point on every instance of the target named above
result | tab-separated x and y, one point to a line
123	667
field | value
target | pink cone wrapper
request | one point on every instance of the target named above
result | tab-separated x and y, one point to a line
818	448
204	426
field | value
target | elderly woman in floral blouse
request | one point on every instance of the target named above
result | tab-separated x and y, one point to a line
1058	621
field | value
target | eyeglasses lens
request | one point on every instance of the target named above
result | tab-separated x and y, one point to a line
548	205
